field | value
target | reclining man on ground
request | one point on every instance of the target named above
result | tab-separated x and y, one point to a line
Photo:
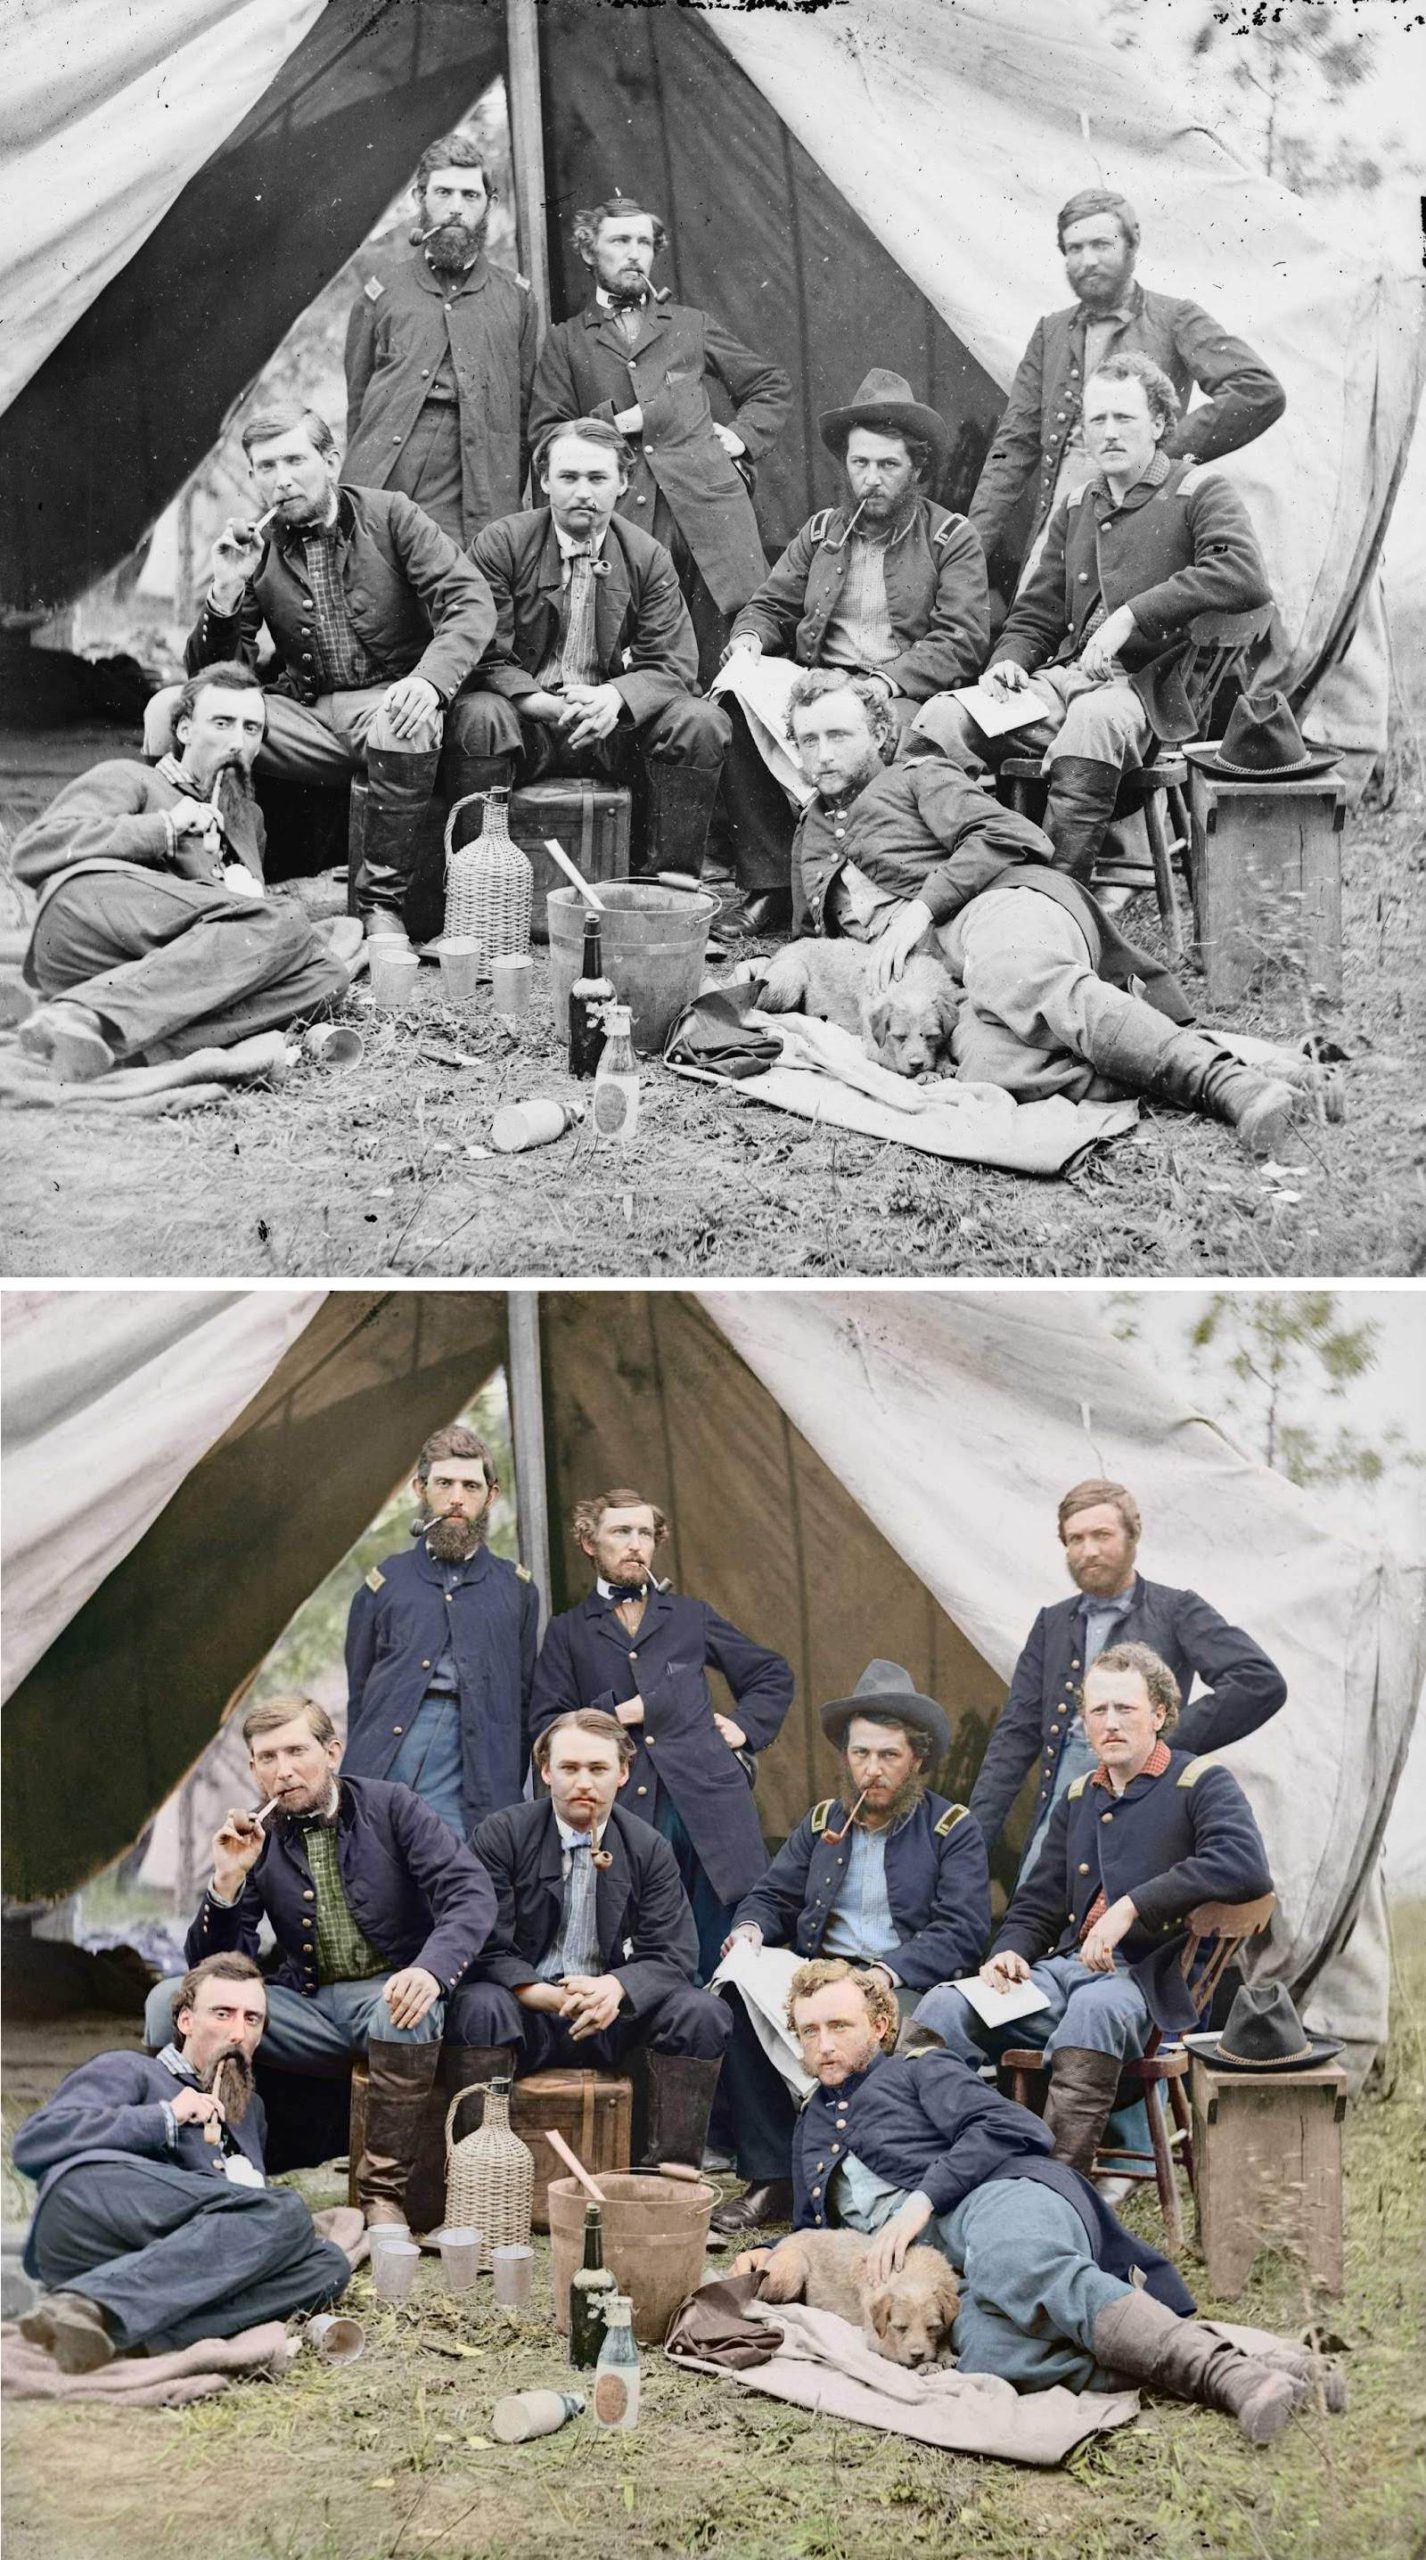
1099	1926
884	1873
378	1910
376	618
915	855
594	1948
154	936
887	584
155	2226
1095	640
1054	2289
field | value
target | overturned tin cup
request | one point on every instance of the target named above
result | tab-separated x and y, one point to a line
336	2339
333	1044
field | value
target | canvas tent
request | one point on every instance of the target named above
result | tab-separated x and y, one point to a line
874	181
849	1474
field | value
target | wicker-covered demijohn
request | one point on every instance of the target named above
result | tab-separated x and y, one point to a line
490	2174
490	886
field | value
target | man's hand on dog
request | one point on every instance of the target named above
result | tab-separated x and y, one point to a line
892	949
886	2249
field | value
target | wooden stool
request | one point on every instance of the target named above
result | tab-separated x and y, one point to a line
1268	2169
592	2109
1265	871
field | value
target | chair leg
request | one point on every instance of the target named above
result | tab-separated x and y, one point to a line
1163	873
1165	2180
1183	2126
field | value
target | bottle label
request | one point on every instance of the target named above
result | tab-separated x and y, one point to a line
611	2398
611	1108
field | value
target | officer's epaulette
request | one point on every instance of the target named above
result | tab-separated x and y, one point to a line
949	524
375	1579
953	1814
1077	1786
1190	1776
817	528
524	1573
818	1815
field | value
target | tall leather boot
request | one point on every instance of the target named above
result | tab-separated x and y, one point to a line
680	2101
399	796
1083	2087
1080	805
1144	2341
1168	1062
681	798
400	2078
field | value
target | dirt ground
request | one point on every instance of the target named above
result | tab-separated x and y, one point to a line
386	1170
390	2458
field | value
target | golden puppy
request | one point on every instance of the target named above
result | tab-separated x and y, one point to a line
906	1028
907	2319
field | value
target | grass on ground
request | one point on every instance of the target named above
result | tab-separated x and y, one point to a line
387	1171
389	2459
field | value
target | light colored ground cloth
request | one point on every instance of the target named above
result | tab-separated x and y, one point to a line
155	2382
825	1074
823	2364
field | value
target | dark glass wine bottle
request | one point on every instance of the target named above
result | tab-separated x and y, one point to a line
589	2290
587	998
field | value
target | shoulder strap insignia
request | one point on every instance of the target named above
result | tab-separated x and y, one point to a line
375	1580
1077	1786
522	281
820	1814
1190	1776
524	1573
817	528
949	525
373	288
1076	497
953	1814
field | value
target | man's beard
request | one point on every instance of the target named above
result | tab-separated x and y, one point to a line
234	800
908	1795
237	2086
456	245
450	1541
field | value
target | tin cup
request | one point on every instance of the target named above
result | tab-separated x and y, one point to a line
394	969
510	982
513	2270
462	961
393	2269
388	2235
337	2339
461	2254
333	1044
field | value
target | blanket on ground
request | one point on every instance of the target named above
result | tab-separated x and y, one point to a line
154	2382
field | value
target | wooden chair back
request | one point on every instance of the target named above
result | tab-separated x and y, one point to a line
1228	1924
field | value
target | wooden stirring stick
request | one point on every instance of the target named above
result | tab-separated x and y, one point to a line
557	854
558	2143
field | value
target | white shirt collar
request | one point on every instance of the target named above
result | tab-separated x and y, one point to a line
569	542
572	1839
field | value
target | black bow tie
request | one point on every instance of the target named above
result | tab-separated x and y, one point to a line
628	1591
628	301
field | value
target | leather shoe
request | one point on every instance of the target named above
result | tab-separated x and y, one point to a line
767	911
755	2207
72	2328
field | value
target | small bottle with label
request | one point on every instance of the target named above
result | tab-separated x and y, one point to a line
589	995
616	1081
616	2378
590	2287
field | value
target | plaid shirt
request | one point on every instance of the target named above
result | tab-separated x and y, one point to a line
341	660
344	1954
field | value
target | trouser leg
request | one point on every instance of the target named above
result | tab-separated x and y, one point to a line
1032	999
761	2107
172	966
759	820
170	2256
712	1918
682	748
949	2015
1031	2290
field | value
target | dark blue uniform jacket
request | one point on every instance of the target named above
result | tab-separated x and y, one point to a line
937	1883
588	1659
925	2121
1168	1842
112	2109
646	1931
1244	1689
401	1623
415	1890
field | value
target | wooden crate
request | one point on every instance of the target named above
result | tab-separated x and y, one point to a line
1267	2149
592	2109
1265	871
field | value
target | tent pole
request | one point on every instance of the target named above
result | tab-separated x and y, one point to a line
527	1430
527	148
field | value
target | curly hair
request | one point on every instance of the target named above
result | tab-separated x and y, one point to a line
823	1971
585	228
810	688
585	1517
1157	1678
1133	367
